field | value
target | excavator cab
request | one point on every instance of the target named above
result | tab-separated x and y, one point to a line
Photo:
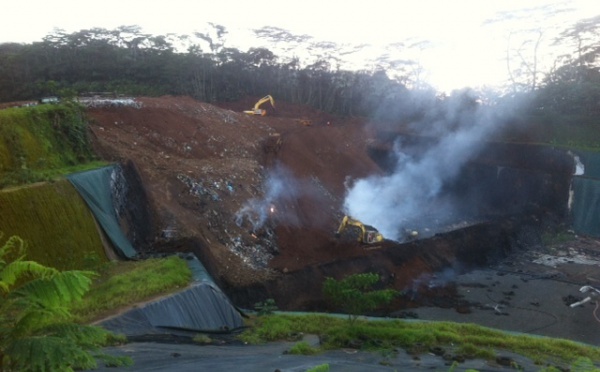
257	110
367	234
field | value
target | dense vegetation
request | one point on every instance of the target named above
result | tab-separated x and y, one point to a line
128	61
43	143
37	332
43	310
40	142
356	295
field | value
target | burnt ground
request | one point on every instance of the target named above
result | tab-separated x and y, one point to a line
199	165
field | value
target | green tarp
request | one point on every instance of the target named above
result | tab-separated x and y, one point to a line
95	188
585	201
585	207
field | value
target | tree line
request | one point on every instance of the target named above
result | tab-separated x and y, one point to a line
127	61
130	62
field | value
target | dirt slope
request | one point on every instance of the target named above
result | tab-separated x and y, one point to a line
201	164
258	199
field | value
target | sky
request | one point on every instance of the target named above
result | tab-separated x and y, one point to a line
464	49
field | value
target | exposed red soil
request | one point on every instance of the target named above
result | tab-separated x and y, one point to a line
174	139
200	164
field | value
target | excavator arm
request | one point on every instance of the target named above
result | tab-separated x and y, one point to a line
257	110
367	235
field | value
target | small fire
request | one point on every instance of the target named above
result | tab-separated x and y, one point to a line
272	209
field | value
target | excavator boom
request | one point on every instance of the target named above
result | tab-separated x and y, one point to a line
257	110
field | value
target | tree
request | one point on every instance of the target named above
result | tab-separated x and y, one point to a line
36	328
583	37
524	76
355	294
570	93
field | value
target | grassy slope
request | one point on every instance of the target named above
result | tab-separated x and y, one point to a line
469	340
37	143
125	283
56	224
42	143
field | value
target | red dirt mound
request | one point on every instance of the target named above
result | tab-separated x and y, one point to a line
201	165
258	198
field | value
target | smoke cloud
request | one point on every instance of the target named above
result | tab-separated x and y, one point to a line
436	280
412	197
280	187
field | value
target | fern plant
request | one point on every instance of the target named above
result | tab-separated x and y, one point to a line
36	328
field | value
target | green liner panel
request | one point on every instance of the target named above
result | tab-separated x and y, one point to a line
95	188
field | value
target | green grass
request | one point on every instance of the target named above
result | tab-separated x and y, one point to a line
56	224
39	143
303	348
125	283
550	238
16	178
202	339
470	340
319	368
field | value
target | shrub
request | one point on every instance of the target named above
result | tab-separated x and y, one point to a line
303	348
265	308
36	328
319	368
355	295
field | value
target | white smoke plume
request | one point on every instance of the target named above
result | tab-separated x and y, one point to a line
280	187
436	280
411	196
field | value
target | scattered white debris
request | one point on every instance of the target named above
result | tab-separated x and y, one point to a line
96	102
579	167
553	261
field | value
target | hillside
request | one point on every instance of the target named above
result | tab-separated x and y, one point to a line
258	199
201	165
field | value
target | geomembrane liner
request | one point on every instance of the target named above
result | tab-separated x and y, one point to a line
202	308
95	188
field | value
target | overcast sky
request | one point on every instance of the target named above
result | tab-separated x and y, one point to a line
466	50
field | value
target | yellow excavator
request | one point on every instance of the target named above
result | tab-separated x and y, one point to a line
367	234
257	110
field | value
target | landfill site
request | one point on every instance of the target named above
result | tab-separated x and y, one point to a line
258	203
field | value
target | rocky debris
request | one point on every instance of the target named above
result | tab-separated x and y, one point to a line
571	257
256	255
98	102
197	188
201	164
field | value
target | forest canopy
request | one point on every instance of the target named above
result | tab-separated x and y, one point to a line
130	62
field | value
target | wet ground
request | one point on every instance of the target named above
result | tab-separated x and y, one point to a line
274	357
524	303
529	292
